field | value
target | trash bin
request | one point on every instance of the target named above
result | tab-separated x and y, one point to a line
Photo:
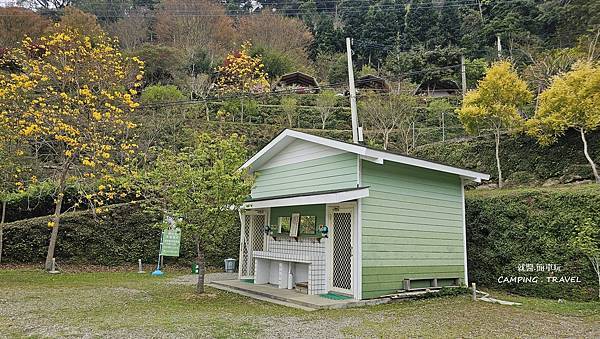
229	265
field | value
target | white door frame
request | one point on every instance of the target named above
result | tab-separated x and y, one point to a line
349	207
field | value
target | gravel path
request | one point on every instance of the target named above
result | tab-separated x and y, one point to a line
191	279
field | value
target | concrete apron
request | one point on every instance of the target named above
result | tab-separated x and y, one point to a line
290	298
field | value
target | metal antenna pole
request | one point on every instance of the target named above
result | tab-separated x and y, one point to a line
463	74
499	47
352	92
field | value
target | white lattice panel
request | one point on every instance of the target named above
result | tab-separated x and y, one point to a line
244	255
257	238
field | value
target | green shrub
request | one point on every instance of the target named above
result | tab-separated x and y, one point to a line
520	178
124	234
507	228
161	93
276	63
576	172
445	292
518	153
162	64
38	201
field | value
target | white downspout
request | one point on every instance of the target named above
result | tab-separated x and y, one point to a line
464	220
242	230
358	242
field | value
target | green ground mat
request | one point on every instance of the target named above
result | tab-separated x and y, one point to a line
334	296
251	281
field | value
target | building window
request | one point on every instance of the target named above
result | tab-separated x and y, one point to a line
284	224
308	224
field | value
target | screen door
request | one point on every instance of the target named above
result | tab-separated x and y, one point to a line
341	247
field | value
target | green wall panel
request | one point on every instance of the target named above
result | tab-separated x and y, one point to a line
316	210
412	227
328	173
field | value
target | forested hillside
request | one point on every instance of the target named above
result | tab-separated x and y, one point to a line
191	49
415	46
384	31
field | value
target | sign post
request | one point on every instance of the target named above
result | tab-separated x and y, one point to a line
170	243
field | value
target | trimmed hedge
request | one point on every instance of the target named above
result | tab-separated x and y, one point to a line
122	235
506	228
37	204
523	160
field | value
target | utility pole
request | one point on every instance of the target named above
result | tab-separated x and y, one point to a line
499	47
463	74
352	92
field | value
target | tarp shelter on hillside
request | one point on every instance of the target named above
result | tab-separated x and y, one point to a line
303	83
372	82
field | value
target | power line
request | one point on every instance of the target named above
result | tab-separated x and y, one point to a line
104	12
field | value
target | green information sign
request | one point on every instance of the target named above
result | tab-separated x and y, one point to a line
170	242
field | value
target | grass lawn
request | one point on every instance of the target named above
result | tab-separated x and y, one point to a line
113	304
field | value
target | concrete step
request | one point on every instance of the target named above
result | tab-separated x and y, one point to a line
290	297
263	296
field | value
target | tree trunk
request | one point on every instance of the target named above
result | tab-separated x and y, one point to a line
323	125
242	111
2	227
587	156
498	159
386	138
596	264
56	217
200	262
597	268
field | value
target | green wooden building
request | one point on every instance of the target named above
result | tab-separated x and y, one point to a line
328	216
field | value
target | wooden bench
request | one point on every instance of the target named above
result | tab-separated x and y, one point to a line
432	281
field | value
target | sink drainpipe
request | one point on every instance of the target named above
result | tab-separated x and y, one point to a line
290	279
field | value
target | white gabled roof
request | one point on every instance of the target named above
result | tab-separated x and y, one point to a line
377	156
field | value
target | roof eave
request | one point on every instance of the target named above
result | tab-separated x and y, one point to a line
464	173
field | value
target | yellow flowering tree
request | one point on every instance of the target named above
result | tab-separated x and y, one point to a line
571	101
70	97
14	170
242	73
495	104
